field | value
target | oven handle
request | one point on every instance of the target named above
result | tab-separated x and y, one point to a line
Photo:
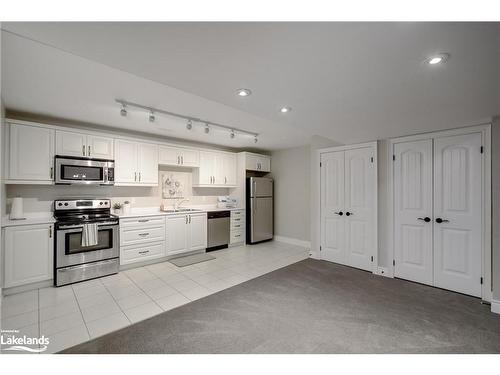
100	226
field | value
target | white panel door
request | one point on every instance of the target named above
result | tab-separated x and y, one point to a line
147	163
190	158
197	231
360	200
176	234
126	162
169	155
71	143
413	211
207	168
31	155
28	254
100	147
228	176
332	207
457	213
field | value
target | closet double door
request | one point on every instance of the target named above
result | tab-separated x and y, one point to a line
438	212
348	207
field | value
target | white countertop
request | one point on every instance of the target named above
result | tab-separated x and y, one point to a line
154	211
31	219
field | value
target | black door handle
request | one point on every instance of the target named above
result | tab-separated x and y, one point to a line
426	219
340	213
439	220
348	213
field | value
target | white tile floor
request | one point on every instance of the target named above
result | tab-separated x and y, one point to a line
72	314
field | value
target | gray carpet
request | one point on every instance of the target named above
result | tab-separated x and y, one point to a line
315	307
191	259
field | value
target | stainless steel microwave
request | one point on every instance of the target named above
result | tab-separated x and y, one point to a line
83	171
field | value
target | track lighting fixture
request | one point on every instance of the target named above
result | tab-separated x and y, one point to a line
255	140
231	134
207	128
189	125
123	111
151	116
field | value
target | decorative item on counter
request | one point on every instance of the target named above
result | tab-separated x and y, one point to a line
126	207
118	208
16	210
172	187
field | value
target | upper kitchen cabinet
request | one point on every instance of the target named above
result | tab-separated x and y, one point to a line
257	162
136	164
30	155
178	156
83	145
217	169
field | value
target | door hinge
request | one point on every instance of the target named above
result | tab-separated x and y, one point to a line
372	258
482	149
393	262
481	281
371	159
393	157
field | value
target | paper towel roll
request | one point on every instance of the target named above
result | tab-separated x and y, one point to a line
16	210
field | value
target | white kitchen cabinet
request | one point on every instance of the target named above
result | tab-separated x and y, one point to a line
141	239
256	162
83	145
31	154
217	169
136	163
28	254
177	156
237	227
186	232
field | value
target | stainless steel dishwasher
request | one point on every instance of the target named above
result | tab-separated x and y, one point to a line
219	225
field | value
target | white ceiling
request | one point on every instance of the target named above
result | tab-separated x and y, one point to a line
350	82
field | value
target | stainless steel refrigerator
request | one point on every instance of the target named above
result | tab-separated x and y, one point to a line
260	216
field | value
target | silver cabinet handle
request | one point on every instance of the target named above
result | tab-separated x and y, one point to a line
143	220
88	150
50	232
186	219
83	150
139	176
51	173
182	160
144	234
143	252
214	179
189	219
135	176
225	180
178	159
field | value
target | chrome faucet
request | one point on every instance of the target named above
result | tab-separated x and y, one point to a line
177	205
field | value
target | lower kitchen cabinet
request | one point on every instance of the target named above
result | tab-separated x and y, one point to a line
186	232
141	239
28	254
237	227
142	252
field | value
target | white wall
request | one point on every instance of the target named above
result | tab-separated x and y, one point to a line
290	169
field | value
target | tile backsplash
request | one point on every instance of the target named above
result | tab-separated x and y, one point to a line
173	184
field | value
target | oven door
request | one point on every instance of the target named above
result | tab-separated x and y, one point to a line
69	249
81	171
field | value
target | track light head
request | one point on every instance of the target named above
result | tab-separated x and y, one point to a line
189	125
207	128
255	140
123	111
151	117
232	134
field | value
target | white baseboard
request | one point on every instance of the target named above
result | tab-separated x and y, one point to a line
293	241
495	306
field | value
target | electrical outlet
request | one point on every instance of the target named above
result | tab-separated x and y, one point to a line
382	271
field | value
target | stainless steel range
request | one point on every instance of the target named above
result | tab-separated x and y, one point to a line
77	259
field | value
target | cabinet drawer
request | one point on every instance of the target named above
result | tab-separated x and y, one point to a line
132	254
141	222
130	236
237	236
237	220
237	225
237	213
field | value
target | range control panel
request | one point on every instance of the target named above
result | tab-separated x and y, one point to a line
81	204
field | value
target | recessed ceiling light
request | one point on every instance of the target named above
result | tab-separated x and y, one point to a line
285	109
440	58
243	92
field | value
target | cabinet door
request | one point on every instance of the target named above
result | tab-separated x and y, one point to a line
100	147
190	158
125	162
412	204
360	203
169	155
31	153
71	143
332	207
264	164
148	163
28	254
197	231
251	162
207	168
229	169
457	202
176	234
